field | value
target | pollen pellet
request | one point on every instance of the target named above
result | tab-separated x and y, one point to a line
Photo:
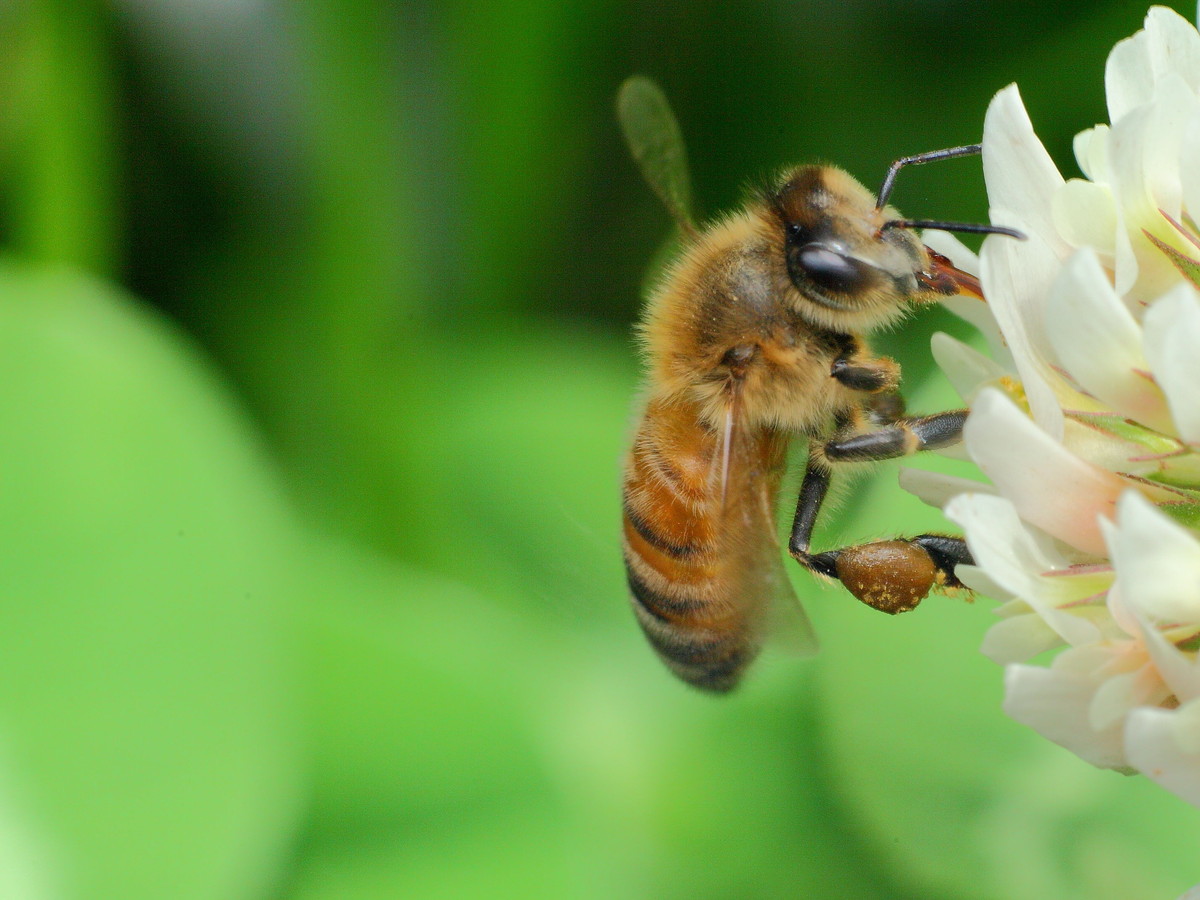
891	576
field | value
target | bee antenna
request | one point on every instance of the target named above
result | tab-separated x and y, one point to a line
885	190
964	227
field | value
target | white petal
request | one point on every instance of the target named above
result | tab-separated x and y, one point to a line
1090	440
1085	214
1118	694
1178	671
1157	562
1055	704
1019	639
1174	45
1189	150
1017	275
1164	745
1049	486
1006	551
1099	344
1128	76
952	248
979	581
1172	343
1020	175
1144	149
968	308
966	368
1123	615
1168	44
937	489
1091	152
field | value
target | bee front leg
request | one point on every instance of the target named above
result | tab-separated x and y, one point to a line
891	576
870	374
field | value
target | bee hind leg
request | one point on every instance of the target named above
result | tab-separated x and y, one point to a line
892	576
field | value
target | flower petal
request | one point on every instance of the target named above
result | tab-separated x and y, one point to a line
1171	338
1050	487
966	307
1091	152
976	579
1164	745
1189	149
936	489
1157	562
1144	149
1086	215
1179	671
1168	43
1118	694
1055	704
1174	45
1100	345
1020	175
1016	276
1008	554
1128	76
967	369
1019	639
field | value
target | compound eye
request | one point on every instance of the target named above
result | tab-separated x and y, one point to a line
831	270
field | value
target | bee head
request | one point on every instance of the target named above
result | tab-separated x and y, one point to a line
839	254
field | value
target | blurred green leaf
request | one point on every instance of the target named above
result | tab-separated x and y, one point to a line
145	702
25	866
461	752
421	697
62	177
516	853
425	728
529	456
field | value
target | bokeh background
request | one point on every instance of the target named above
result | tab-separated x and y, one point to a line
315	374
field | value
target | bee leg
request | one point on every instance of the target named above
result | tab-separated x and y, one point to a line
884	409
871	375
891	576
877	377
813	489
905	436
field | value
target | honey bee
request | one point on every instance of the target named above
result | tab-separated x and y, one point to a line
753	339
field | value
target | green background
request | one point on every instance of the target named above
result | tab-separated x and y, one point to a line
315	375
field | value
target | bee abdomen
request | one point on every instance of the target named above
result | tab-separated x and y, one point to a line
683	582
674	548
706	652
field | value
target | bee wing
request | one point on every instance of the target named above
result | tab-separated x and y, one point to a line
786	619
749	468
656	142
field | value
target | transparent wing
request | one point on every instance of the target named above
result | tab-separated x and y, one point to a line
748	467
656	142
786	621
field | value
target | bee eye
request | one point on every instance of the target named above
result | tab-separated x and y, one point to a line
830	269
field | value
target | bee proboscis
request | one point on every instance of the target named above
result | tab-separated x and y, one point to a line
753	339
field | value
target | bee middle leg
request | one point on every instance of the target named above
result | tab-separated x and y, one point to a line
891	576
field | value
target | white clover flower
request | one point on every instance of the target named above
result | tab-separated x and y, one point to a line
1086	419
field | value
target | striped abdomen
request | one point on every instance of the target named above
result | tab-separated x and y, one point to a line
690	554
